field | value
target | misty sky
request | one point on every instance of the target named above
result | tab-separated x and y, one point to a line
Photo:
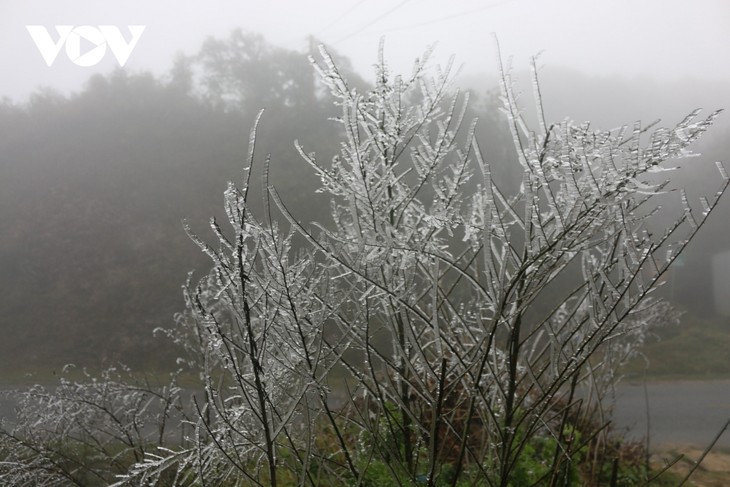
658	38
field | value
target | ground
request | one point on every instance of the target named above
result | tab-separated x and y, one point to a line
714	471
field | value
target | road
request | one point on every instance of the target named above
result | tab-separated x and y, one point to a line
681	412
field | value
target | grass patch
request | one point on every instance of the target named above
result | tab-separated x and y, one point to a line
695	350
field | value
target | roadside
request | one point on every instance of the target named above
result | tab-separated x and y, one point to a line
714	471
684	417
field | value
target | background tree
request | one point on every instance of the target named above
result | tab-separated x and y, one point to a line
93	182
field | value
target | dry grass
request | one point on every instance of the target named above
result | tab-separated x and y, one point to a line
714	471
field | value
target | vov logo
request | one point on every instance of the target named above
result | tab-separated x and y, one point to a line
94	39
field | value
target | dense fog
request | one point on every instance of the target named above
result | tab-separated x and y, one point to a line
96	178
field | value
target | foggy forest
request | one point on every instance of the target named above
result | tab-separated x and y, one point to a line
95	187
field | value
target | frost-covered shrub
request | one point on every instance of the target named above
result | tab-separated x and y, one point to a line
87	431
434	327
459	322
